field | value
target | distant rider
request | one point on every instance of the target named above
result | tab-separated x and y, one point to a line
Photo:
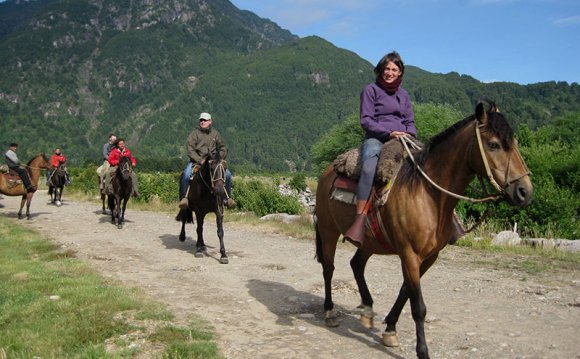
14	164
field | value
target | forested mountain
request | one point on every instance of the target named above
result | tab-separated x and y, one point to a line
71	71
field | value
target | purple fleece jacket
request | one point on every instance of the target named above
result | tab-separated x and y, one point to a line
382	113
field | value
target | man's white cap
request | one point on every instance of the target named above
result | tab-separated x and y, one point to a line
205	116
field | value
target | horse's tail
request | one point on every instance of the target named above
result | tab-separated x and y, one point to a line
319	254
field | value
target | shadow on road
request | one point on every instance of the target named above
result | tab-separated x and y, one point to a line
289	304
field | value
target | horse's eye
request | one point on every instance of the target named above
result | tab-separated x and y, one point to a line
493	145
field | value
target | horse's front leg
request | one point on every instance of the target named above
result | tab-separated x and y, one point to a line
122	220
411	265
390	338
200	244
358	264
112	207
220	232
118	200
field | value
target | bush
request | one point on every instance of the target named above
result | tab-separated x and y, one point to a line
263	199
298	182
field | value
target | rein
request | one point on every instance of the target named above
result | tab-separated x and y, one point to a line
405	141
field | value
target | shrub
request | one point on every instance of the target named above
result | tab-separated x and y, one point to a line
263	199
298	182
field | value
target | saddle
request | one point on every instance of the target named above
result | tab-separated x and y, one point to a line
12	178
348	167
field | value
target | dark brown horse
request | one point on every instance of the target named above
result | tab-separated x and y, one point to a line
10	188
122	185
56	183
417	215
206	194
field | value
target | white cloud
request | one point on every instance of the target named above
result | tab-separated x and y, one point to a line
568	21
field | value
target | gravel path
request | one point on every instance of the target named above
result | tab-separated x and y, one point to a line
267	303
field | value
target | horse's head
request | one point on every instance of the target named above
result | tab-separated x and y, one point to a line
125	168
216	168
498	156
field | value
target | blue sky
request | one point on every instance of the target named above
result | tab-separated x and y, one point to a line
522	41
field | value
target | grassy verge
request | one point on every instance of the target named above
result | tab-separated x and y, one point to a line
54	306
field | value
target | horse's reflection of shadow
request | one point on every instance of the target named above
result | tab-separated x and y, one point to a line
171	241
288	304
15	214
106	218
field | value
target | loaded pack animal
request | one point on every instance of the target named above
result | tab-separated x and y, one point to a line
415	212
11	184
206	194
56	183
122	186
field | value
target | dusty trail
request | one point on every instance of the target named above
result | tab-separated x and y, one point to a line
267	303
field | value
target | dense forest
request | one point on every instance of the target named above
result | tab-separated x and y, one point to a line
73	71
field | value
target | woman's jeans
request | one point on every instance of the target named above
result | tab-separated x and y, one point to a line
187	174
369	152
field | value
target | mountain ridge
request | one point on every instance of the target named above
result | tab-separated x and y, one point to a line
73	71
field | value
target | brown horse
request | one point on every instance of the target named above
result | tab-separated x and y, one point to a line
417	215
39	162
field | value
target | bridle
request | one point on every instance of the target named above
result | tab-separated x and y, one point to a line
406	141
126	168
218	173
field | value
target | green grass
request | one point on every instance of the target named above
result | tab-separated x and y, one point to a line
54	306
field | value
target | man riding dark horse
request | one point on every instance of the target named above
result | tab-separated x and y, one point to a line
14	164
200	143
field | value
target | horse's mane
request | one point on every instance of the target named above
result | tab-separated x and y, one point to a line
38	155
496	124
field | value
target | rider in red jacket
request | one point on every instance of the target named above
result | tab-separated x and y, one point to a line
114	158
56	159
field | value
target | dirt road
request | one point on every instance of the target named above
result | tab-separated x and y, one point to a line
267	303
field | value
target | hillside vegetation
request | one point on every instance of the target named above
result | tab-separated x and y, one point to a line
73	71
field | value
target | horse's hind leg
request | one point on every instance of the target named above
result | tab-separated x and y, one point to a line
390	338
28	200
326	241
22	203
200	244
183	216
220	233
103	197
358	264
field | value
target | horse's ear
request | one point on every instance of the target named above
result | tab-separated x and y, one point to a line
480	113
494	107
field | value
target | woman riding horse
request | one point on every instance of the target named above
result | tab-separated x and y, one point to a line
415	214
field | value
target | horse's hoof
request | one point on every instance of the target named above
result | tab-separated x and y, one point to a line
58	203
104	212
119	226
181	238
224	260
330	319
367	322
390	339
367	317
198	254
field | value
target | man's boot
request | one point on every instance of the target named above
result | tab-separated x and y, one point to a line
184	203
230	203
356	233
